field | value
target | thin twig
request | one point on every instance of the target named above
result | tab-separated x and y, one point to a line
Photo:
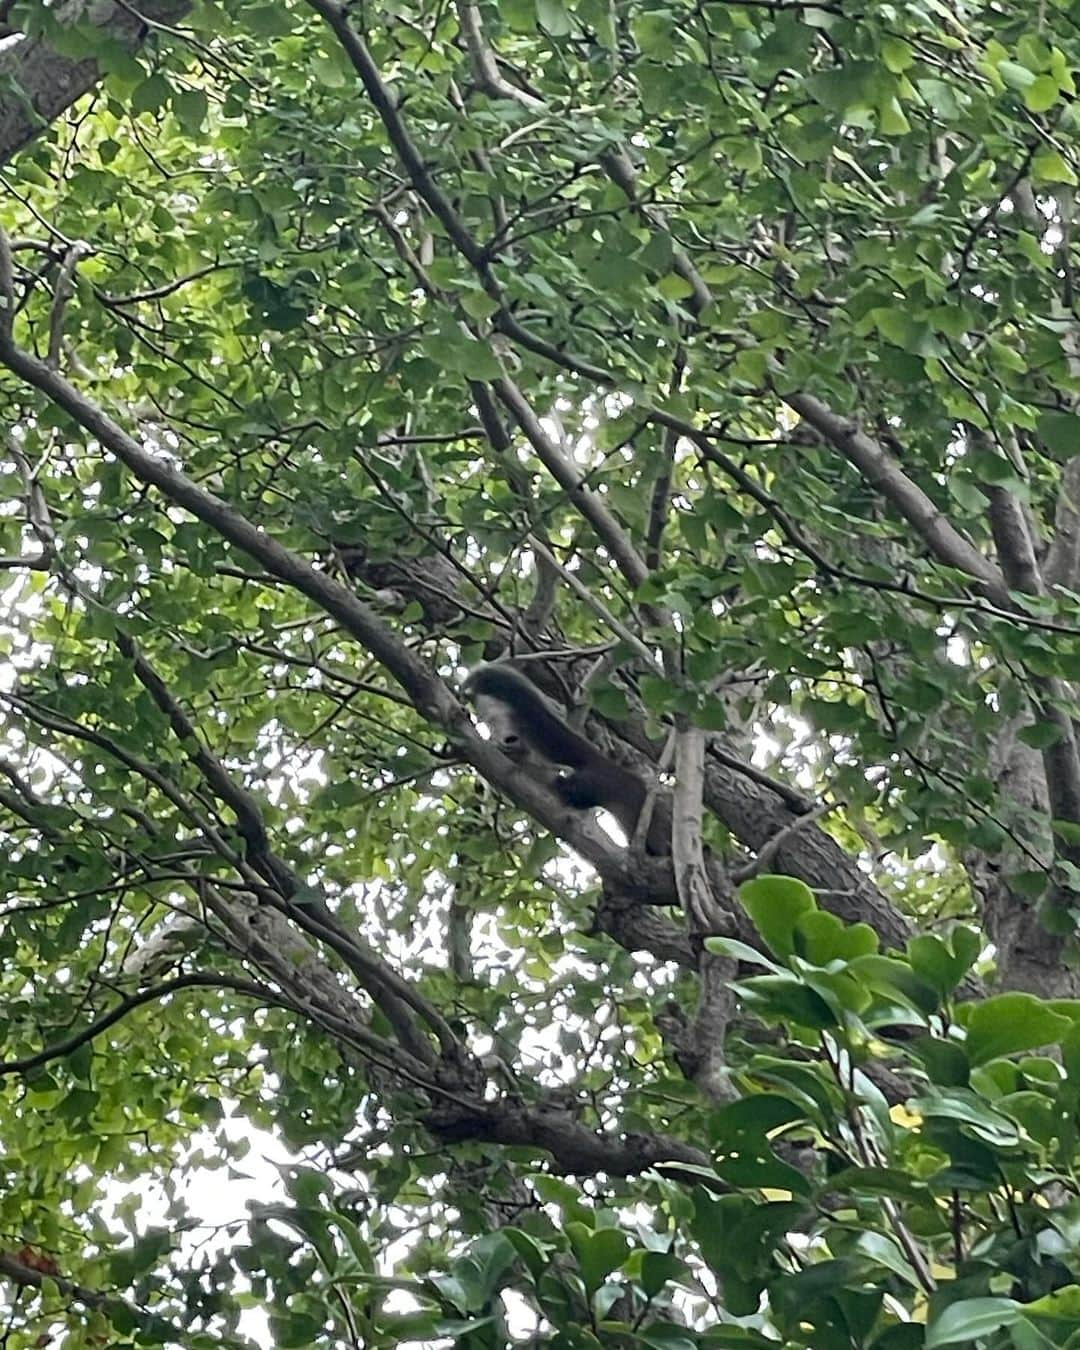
62	293
768	851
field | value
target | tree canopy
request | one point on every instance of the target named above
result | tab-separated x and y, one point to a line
719	363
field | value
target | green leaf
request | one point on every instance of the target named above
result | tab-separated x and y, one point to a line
820	937
933	962
598	1252
897	54
674	287
1009	1023
478	304
1060	432
1048	166
151	96
1016	76
1042	95
964	1322
892	118
945	1061
967	1109
190	107
659	1269
896	978
1061	1304
876	1181
775	904
553	17
267	20
783	998
739	951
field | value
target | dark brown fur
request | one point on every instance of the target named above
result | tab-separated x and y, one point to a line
528	728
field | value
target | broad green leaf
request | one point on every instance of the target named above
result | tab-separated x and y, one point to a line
775	904
783	998
964	1322
1009	1023
598	1252
1048	166
1062	1304
1060	432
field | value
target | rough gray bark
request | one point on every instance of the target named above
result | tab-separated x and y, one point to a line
37	83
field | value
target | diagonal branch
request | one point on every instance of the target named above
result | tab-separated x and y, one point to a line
572	481
38	83
384	985
427	692
1013	542
567	475
1062	566
882	472
365	965
485	68
1061	759
160	1329
336	16
201	980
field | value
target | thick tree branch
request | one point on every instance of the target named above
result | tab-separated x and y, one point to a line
1061	760
1013	541
946	543
1062	566
37	83
575	1148
703	915
427	692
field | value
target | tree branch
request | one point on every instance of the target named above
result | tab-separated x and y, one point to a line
161	1328
1062	565
575	1148
946	543
485	68
60	1049
571	480
427	692
37	83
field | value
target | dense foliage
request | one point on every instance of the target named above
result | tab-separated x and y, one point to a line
720	359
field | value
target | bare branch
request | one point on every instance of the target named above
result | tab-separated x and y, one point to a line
62	293
485	68
946	543
1061	759
572	481
376	977
7	286
703	914
574	1147
780	839
1013	541
597	606
652	790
